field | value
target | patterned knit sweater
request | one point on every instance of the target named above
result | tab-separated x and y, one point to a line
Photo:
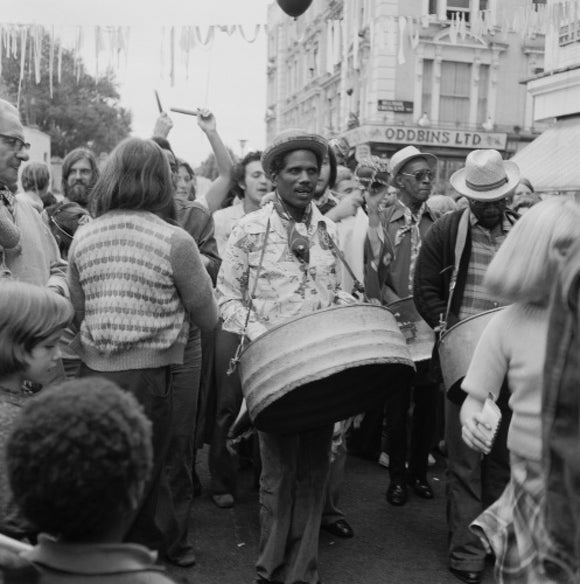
133	278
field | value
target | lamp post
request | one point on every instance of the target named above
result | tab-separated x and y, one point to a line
243	143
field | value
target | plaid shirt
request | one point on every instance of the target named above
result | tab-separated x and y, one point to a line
484	245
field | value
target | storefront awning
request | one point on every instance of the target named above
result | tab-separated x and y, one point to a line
552	161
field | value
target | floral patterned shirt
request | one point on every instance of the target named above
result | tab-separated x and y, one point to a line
286	287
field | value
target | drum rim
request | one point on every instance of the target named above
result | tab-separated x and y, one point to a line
401	300
473	317
328	309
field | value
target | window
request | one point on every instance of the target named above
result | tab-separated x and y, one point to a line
450	7
454	96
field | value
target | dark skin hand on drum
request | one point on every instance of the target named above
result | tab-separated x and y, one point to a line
296	182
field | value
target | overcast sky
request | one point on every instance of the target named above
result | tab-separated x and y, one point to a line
229	78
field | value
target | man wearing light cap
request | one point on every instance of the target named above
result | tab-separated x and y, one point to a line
448	289
394	241
281	251
28	251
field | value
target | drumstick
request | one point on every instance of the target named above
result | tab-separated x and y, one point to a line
187	112
158	101
13	545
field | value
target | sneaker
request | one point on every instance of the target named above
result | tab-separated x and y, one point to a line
384	459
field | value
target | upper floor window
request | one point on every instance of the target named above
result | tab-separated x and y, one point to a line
450	9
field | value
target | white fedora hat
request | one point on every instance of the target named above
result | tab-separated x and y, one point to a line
401	157
486	176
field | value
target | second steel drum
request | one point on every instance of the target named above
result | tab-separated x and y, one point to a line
418	334
323	367
457	345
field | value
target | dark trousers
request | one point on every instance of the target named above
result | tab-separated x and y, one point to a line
154	523
222	460
424	394
292	491
185	381
473	483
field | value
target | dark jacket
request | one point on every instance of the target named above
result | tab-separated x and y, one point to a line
561	426
435	266
390	281
198	222
433	273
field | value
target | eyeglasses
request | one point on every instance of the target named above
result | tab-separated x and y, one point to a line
15	144
420	175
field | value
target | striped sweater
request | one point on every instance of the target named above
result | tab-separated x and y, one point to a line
136	282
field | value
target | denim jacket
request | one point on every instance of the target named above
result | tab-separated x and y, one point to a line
561	427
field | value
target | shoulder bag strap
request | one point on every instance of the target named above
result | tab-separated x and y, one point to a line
460	242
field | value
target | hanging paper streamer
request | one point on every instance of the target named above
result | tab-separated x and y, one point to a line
245	37
23	37
51	65
209	37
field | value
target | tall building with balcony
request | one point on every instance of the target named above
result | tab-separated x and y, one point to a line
551	161
443	75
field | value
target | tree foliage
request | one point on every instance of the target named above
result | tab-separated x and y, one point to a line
208	168
83	110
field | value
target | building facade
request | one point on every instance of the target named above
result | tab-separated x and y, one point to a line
440	74
551	161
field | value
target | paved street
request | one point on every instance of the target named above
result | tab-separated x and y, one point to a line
404	545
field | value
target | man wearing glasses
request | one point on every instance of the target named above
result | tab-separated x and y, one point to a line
394	240
448	289
28	251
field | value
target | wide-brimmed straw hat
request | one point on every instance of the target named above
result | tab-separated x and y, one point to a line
401	157
290	140
486	176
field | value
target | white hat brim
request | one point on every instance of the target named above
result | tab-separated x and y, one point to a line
430	158
512	171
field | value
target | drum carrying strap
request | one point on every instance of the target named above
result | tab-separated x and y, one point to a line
459	247
236	358
358	288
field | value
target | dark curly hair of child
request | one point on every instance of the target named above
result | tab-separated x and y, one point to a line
78	459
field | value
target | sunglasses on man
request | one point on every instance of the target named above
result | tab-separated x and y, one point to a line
420	175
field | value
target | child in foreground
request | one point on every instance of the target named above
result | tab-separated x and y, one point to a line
78	460
32	319
513	346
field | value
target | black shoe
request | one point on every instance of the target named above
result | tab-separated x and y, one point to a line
184	559
397	493
340	528
467	576
422	488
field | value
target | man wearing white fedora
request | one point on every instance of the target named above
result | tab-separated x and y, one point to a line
448	289
394	241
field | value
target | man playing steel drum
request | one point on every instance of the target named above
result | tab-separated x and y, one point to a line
278	266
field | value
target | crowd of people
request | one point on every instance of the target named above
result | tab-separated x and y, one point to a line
125	305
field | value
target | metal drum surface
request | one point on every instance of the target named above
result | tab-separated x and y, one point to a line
457	345
323	367
418	334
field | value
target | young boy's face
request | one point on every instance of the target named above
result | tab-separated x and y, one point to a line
42	362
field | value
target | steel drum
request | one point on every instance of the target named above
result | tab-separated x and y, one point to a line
457	345
418	334
323	367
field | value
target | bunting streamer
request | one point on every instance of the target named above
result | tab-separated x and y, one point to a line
244	36
341	37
